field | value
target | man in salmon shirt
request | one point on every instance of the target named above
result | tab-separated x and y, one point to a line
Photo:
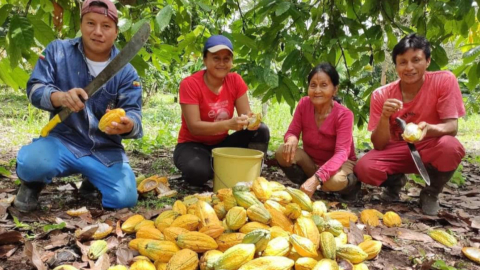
430	99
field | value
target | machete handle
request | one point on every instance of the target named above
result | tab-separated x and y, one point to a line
51	124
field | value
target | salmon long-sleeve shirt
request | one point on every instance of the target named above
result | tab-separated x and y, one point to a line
330	145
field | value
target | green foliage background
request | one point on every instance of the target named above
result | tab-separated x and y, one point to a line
276	42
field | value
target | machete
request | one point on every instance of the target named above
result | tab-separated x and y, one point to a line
123	58
415	155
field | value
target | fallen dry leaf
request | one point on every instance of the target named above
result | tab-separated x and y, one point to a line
102	263
124	256
118	230
112	242
87	234
84	250
31	253
355	235
475	223
10	237
7	250
58	240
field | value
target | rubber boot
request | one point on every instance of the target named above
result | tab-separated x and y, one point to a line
295	174
350	193
87	190
27	196
429	194
263	147
392	187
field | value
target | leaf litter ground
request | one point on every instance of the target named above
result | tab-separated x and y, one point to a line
25	243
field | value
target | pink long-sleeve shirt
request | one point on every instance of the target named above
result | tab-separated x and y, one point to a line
330	145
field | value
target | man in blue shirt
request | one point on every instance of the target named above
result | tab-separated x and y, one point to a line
77	145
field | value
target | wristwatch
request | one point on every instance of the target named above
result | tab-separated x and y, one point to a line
319	182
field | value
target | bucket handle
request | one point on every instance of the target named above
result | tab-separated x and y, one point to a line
211	166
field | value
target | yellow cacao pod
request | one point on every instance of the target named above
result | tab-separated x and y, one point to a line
343	216
245	199
443	237
185	259
196	241
169	214
392	219
143	224
116	267
293	211
251	226
171	233
303	246
299	197
370	217
150	233
276	186
279	246
206	214
112	116
213	230
129	225
319	208
282	197
165	223
279	219
341	239
228	240
103	229
236	217
305	263
147	185
259	213
207	261
223	193
229	202
236	256
262	189
160	265
306	227
65	267
179	207
360	266
319	222
277	231
371	247
254	121
351	253
134	243
328	246
412	133
188	221
259	238
97	249
190	200
472	253
334	226
220	210
142	265
326	264
269	263
157	250
367	237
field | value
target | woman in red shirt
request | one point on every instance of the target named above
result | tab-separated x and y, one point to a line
328	156
208	99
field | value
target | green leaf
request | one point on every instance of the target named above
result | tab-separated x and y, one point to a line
5	74
440	56
392	39
243	40
4	171
270	77
163	17
471	54
388	9
124	24
472	77
290	60
43	33
4	11
137	25
51	227
282	8
19	224
140	65
20	37
459	70
203	6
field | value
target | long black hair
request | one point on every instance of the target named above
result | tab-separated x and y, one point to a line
330	70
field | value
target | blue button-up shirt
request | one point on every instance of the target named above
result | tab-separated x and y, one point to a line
64	67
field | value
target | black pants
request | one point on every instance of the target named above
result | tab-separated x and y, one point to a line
194	159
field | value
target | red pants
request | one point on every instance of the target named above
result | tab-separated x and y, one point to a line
444	153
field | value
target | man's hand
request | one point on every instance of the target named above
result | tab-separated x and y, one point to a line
391	106
423	126
289	149
310	186
71	99
125	126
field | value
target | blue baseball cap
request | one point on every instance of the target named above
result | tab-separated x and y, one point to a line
217	43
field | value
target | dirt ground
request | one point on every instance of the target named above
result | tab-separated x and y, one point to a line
408	247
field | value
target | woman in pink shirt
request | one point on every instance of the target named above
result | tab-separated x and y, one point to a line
328	156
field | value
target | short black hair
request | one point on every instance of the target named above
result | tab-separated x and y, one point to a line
411	41
328	69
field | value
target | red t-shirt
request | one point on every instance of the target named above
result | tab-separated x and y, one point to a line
213	107
330	145
439	98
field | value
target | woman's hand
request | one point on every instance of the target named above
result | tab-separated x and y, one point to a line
391	106
310	186
289	149
237	122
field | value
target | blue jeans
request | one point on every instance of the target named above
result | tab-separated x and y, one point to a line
47	157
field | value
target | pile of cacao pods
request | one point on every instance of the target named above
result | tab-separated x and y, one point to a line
262	225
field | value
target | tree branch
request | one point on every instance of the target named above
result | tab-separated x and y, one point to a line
363	27
241	15
27	7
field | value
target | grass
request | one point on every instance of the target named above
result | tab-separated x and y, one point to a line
21	122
